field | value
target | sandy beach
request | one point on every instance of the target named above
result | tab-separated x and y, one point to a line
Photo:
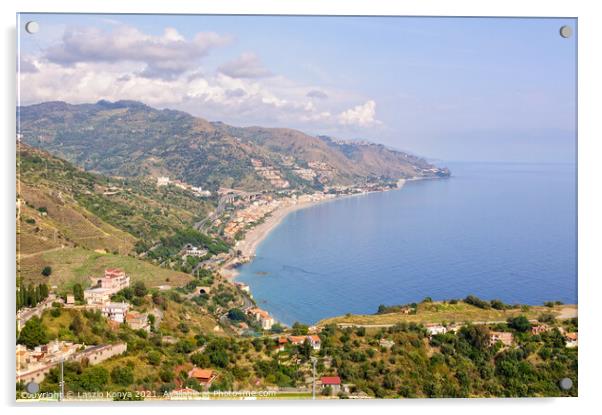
253	237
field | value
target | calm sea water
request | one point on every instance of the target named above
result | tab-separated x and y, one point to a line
495	230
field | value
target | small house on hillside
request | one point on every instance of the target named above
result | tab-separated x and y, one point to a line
334	382
204	376
505	338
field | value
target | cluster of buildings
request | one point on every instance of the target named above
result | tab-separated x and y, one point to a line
506	338
166	181
256	211
270	174
34	364
114	280
313	339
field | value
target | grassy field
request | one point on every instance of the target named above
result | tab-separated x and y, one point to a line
71	265
197	320
439	312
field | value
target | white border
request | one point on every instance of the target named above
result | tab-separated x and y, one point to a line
590	206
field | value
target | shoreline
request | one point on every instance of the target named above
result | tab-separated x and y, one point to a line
254	236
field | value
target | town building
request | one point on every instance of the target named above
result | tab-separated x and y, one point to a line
137	321
115	311
243	287
162	181
204	376
262	316
70	299
315	341
282	342
540	328
34	365
434	329
571	339
97	296
334	382
114	280
191	250
296	340
504	337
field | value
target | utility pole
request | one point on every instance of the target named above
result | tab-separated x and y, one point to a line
62	383
313	388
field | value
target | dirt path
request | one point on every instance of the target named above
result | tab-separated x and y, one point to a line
21	256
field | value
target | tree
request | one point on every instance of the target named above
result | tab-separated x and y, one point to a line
78	292
76	325
46	271
520	323
200	359
140	289
94	378
122	375
236	314
300	329
33	333
154	357
477	336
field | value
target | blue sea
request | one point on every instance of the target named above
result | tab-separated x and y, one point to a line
496	230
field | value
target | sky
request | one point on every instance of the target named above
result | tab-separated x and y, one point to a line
454	89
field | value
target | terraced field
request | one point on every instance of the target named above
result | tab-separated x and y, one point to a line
71	265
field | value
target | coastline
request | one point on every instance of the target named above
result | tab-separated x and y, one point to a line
254	236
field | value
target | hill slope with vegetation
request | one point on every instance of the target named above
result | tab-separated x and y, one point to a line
77	222
128	138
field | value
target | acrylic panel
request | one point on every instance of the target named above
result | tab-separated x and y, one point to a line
295	207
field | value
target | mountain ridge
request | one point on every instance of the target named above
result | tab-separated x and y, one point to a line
130	138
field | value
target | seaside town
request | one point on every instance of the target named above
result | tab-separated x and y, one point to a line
173	330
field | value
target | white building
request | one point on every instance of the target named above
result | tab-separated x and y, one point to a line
162	181
115	311
191	250
315	341
97	296
435	329
263	317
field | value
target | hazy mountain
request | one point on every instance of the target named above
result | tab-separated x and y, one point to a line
128	138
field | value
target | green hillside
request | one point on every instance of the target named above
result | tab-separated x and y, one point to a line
129	139
78	222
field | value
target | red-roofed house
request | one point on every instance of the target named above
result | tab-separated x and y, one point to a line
571	339
315	342
334	382
282	342
296	340
203	376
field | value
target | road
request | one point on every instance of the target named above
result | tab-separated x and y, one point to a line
221	205
27	313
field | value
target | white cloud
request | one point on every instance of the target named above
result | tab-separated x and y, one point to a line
164	71
164	56
247	65
361	115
